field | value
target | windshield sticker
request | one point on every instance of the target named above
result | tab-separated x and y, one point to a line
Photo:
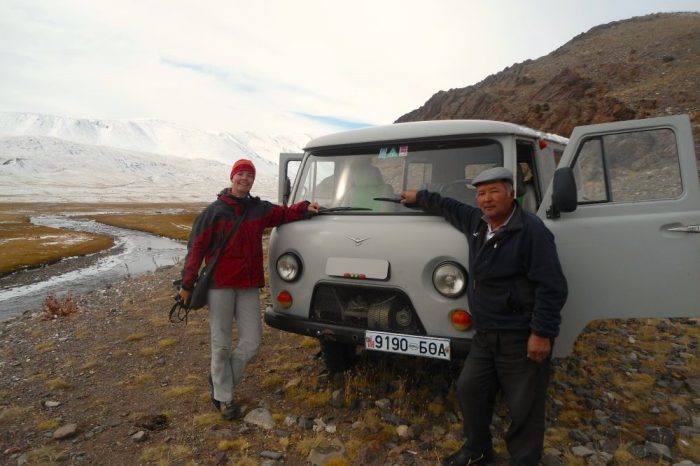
382	153
403	151
392	154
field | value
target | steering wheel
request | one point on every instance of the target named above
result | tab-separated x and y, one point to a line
457	189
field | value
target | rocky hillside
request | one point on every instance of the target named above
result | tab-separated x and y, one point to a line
637	68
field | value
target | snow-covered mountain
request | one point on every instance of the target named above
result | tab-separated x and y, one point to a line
143	160
158	137
47	169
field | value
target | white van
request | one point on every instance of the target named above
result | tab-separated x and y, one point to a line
369	272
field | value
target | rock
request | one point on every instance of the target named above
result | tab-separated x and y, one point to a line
599	459
662	435
549	459
338	398
579	436
140	436
271	455
66	431
52	404
658	449
581	451
383	404
325	452
260	417
693	384
402	431
306	423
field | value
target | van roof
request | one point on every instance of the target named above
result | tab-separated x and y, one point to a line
416	130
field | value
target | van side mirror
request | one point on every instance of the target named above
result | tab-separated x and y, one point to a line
564	198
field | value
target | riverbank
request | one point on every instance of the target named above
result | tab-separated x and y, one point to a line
62	262
116	383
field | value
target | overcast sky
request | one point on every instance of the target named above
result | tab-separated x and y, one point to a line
273	66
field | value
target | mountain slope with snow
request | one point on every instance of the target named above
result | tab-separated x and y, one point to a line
48	169
158	137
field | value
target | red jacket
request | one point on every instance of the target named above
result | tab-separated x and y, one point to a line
241	262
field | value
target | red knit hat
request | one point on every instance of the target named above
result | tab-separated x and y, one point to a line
242	165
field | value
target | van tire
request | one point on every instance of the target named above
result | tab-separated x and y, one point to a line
338	357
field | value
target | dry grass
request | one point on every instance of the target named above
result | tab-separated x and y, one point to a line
137	336
44	347
57	384
176	392
24	245
167	454
176	226
239	444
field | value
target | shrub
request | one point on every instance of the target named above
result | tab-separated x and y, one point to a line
54	307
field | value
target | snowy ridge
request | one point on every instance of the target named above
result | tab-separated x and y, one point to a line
157	137
48	169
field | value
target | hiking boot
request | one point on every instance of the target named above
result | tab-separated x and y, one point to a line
466	457
230	410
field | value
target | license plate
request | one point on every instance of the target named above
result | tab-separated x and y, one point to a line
427	347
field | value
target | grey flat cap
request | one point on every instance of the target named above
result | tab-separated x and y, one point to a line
493	174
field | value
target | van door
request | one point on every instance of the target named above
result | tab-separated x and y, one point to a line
631	248
289	164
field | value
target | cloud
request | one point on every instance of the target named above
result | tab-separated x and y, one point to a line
334	121
242	84
274	66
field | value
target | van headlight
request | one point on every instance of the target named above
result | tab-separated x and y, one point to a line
288	267
450	279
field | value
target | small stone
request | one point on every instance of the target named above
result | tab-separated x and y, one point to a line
64	432
581	451
140	436
260	417
271	455
402	431
383	404
662	435
52	404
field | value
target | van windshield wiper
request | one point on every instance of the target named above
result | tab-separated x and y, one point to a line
328	210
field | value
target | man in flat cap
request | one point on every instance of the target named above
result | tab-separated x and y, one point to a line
516	292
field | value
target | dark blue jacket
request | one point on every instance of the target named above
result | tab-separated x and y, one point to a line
515	278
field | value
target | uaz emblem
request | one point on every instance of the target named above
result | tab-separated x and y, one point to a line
358	241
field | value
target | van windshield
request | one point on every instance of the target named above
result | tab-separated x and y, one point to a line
367	179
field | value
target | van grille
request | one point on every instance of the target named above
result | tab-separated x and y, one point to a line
372	308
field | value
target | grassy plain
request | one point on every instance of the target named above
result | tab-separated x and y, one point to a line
25	245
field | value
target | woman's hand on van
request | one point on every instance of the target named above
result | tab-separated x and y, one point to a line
408	197
313	208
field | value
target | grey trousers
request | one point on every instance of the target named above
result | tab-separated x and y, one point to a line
227	366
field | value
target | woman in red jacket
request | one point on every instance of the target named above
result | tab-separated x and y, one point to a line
234	293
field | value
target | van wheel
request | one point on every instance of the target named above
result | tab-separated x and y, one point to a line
338	357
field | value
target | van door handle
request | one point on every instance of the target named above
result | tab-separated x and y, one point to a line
687	229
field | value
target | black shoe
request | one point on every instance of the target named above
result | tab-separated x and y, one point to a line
230	411
217	403
466	457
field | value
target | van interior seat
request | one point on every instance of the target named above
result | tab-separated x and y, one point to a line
367	184
525	191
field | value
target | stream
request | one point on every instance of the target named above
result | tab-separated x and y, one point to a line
133	253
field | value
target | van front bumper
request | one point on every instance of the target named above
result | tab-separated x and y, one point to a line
459	347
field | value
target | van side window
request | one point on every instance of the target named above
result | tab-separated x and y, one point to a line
627	167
